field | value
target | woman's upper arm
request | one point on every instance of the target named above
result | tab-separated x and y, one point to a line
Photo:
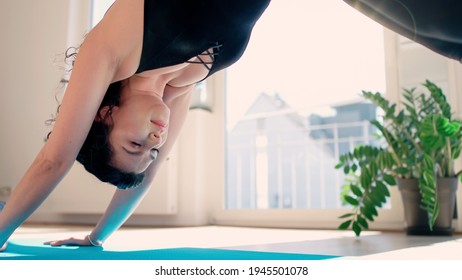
91	75
107	54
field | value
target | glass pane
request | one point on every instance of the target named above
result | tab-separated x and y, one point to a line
293	104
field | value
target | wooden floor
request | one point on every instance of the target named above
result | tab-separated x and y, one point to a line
371	245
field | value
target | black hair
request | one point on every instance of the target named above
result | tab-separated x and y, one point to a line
96	152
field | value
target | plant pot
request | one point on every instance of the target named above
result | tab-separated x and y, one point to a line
417	219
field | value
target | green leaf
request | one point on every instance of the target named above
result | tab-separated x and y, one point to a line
354	167
362	222
390	180
356	190
380	161
373	169
346	215
390	160
383	188
356	228
357	153
344	225
351	200
401	170
428	178
366	213
346	169
428	161
365	178
370	206
375	199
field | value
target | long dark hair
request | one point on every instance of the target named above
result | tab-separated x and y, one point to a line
96	152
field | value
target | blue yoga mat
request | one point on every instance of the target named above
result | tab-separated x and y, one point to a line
33	249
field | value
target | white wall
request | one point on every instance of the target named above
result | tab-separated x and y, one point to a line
33	37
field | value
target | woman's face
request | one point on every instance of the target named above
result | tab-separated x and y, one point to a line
139	128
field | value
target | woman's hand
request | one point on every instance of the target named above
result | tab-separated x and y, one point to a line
70	241
3	248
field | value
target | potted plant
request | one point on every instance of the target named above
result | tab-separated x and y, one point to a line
420	144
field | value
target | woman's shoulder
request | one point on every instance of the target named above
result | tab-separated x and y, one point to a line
121	32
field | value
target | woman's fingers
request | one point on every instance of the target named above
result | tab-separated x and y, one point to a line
69	241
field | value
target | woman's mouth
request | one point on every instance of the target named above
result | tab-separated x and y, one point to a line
160	123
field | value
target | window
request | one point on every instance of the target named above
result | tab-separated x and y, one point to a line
293	104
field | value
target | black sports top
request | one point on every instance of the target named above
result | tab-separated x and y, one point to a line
178	30
436	24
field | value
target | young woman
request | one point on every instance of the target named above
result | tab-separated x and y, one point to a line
127	99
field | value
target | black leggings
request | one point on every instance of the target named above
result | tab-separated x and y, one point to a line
436	24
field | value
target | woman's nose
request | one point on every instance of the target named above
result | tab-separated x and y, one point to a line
155	138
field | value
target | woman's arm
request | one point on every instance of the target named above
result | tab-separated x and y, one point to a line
124	202
103	58
80	104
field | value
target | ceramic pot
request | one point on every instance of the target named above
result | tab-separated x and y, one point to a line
416	219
